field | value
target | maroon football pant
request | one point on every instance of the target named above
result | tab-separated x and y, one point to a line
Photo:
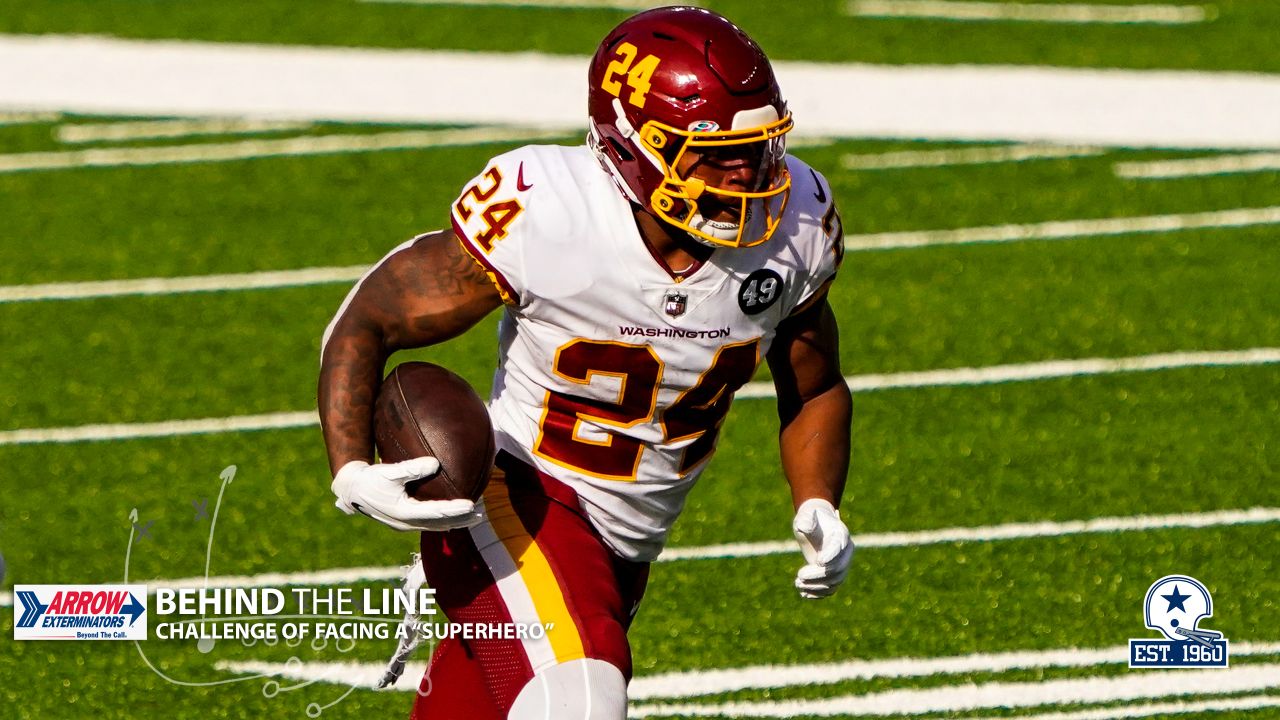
535	560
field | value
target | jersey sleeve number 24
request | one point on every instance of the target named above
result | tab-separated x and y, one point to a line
497	215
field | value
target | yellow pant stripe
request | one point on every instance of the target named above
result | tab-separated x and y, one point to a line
535	571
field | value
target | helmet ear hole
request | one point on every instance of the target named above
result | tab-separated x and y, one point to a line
620	150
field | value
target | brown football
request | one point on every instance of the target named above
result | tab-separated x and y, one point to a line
424	409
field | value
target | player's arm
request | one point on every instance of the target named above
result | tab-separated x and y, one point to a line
814	404
419	295
816	411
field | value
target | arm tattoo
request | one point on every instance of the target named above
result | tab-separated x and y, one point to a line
425	294
349	383
451	272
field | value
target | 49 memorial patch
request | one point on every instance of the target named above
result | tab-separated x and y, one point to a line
80	612
759	291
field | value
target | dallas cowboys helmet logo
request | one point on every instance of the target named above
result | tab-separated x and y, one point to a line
1175	605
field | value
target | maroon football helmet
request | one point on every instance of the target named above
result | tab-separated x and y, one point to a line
681	80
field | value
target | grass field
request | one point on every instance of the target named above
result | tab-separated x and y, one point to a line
1183	441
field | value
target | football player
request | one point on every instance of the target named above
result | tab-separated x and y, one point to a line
642	278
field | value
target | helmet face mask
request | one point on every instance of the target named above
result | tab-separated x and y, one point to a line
754	212
678	96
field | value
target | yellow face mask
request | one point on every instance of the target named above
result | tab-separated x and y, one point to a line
677	200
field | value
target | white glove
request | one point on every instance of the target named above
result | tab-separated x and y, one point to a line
378	491
827	549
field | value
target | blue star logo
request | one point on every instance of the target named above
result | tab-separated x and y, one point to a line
1175	600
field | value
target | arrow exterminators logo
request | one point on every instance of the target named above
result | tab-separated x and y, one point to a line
80	612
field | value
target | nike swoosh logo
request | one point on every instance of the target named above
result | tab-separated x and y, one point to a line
820	194
520	183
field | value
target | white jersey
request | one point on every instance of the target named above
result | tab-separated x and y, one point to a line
613	376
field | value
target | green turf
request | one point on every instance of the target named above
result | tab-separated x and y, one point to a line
984	304
1171	441
283	213
1048	300
269	214
958	456
944	600
948	600
276	333
43	135
220	373
987	455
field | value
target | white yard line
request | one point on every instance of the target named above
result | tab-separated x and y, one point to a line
694	683
857	383
708	682
954	698
1199	167
168	428
989	533
1038	370
153	129
1103	107
25	118
361	675
1033	12
1065	229
1122	712
800	142
253	149
964	156
1010	531
1052	230
184	284
565	4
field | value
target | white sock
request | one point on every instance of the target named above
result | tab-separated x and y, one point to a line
586	689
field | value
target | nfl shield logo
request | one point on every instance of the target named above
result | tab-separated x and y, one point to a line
674	304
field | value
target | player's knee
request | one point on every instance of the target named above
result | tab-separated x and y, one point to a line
586	689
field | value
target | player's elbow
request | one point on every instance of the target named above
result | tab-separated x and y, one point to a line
829	399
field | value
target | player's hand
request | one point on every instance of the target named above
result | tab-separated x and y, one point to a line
827	549
378	491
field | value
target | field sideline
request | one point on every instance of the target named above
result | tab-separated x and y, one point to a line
1122	108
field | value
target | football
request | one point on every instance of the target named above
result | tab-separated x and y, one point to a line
424	409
